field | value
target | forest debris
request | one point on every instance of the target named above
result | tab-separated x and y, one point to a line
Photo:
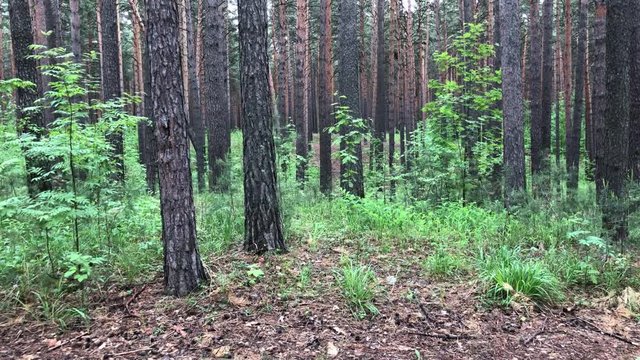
529	339
60	344
332	350
221	352
237	300
145	349
586	324
445	336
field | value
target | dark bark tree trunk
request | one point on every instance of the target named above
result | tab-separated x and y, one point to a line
283	66
149	146
1	41
263	225
547	83
216	95
514	165
52	22
325	75
351	173
559	76
196	122
380	119
393	80
76	41
111	81
567	67
29	122
301	111
599	91
534	79
183	269
573	146
634	110
616	121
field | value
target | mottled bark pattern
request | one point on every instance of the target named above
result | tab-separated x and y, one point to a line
380	119
325	62
263	225
634	105
31	122
547	83
573	146
216	89
599	90
183	269
283	65
514	166
76	42
301	110
534	79
111	81
347	55
616	121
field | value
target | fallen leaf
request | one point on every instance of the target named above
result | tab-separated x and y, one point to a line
237	300
221	352
52	342
332	350
404	348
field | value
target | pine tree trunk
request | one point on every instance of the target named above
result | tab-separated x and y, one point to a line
325	62
616	121
347	56
514	164
76	41
283	66
263	225
567	68
381	115
29	122
534	79
111	81
547	84
183	269
393	80
599	92
1	42
634	110
301	110
573	146
216	90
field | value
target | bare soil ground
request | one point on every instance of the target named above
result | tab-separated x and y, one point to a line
277	317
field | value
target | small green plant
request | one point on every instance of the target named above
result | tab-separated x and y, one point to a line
79	267
358	283
254	273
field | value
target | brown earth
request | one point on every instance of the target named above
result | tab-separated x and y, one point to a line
279	317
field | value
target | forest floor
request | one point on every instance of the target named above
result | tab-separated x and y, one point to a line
278	314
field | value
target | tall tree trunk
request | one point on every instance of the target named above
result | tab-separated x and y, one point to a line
393	80
567	68
573	146
599	92
29	121
263	225
514	164
283	66
535	84
149	138
302	87
411	117
111	81
634	110
381	115
616	121
183	269
76	40
363	66
217	105
325	74
547	84
423	57
347	56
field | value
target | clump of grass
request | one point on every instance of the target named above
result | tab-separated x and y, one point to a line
443	263
518	281
358	283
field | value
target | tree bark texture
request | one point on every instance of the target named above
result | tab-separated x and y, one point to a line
325	74
301	110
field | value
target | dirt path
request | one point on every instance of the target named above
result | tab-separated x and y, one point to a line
278	317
